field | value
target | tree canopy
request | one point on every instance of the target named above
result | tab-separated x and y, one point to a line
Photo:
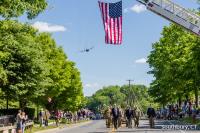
34	68
16	8
134	96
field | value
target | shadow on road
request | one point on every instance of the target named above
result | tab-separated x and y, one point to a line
131	131
97	132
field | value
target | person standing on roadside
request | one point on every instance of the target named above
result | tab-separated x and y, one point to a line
19	121
57	117
41	114
151	114
46	117
24	119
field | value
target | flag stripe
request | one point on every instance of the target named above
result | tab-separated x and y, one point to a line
116	26
106	19
110	30
114	29
101	10
120	30
108	25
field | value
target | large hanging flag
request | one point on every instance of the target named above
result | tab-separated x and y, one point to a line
112	21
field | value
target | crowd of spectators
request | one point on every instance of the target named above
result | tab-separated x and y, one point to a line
174	111
67	116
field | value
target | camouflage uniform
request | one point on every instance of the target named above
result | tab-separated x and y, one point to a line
120	117
136	118
107	115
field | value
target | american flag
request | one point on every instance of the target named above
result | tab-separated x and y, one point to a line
112	20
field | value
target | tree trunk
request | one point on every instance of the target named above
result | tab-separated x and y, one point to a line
7	99
7	102
22	103
179	101
187	97
196	97
37	110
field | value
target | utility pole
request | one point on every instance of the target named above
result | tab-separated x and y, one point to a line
129	83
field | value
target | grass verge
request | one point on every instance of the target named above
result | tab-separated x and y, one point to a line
61	125
189	120
35	129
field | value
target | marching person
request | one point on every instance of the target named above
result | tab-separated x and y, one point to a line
115	114
107	115
151	114
120	116
137	117
129	116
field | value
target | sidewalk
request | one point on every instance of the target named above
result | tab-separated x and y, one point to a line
67	126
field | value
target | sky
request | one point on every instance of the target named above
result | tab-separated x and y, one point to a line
77	24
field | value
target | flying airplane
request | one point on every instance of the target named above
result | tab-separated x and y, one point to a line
87	50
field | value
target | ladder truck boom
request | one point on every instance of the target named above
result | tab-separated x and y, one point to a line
174	13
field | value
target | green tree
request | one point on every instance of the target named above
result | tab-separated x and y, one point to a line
72	97
22	63
16	8
174	62
34	68
135	96
65	87
106	96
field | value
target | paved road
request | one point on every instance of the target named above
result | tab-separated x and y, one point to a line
99	127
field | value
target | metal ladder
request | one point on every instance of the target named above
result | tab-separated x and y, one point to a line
174	13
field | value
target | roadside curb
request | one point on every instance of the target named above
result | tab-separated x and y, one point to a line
65	127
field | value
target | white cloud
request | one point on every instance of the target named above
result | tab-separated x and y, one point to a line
141	61
93	85
126	10
46	27
138	8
